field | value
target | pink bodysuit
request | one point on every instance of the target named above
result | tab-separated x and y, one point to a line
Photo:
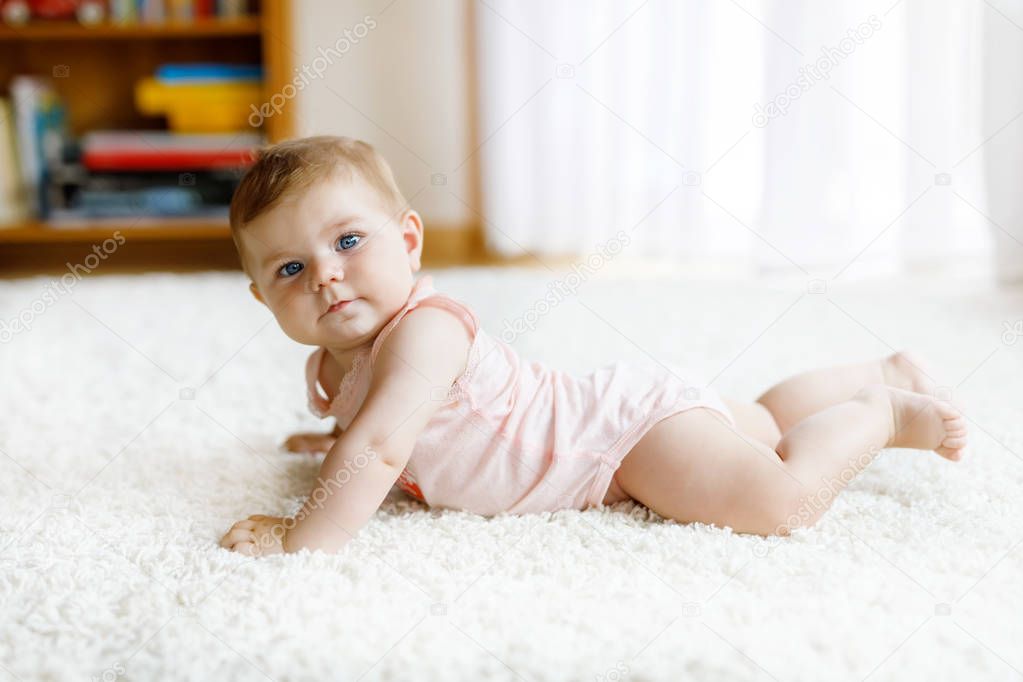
514	436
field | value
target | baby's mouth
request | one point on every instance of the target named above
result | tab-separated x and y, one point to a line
340	305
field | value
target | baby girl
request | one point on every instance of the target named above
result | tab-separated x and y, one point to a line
425	398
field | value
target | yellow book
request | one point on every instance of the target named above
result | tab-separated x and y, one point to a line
199	107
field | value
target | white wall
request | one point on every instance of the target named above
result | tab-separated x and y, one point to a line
398	79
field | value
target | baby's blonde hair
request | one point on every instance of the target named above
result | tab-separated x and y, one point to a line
295	164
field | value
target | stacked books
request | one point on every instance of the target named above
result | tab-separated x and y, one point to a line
158	11
202	98
124	174
190	170
21	12
32	134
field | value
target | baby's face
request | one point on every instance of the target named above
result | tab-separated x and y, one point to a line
327	243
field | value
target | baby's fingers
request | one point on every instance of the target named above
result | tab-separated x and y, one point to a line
236	535
246	548
309	443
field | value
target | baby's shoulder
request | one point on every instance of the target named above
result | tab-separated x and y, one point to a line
431	334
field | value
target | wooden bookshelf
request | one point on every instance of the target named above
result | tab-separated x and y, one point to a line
99	66
145	229
201	28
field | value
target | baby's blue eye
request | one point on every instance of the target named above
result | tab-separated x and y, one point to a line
289	269
344	240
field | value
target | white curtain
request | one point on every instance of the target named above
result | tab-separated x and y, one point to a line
655	118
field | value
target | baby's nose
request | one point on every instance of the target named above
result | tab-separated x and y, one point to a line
325	273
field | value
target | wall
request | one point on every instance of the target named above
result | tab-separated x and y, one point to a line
396	74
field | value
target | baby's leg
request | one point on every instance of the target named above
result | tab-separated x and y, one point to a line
798	397
694	466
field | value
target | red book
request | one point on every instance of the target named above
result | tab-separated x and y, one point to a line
161	151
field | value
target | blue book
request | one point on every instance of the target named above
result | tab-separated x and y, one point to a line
208	72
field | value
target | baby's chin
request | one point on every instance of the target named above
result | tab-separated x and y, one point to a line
350	331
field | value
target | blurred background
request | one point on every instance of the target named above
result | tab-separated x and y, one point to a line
757	188
735	137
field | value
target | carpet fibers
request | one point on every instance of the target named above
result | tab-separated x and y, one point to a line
143	415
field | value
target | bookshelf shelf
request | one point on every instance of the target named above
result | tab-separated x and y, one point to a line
211	28
147	229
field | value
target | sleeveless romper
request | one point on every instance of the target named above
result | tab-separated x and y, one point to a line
515	436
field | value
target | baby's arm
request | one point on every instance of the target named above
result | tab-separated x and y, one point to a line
425	352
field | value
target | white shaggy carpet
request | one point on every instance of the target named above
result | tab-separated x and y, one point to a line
142	417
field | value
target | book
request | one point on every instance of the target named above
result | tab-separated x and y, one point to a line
41	132
161	150
151	11
123	11
74	191
13	207
172	74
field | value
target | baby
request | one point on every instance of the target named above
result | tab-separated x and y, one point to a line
424	398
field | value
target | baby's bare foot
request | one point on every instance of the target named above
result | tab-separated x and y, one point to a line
909	371
926	423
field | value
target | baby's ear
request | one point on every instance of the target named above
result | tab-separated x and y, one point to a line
255	293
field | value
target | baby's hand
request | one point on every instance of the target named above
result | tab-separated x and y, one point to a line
310	442
257	535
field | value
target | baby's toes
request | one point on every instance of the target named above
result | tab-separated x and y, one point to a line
954	442
956	426
954	454
947	410
955	430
